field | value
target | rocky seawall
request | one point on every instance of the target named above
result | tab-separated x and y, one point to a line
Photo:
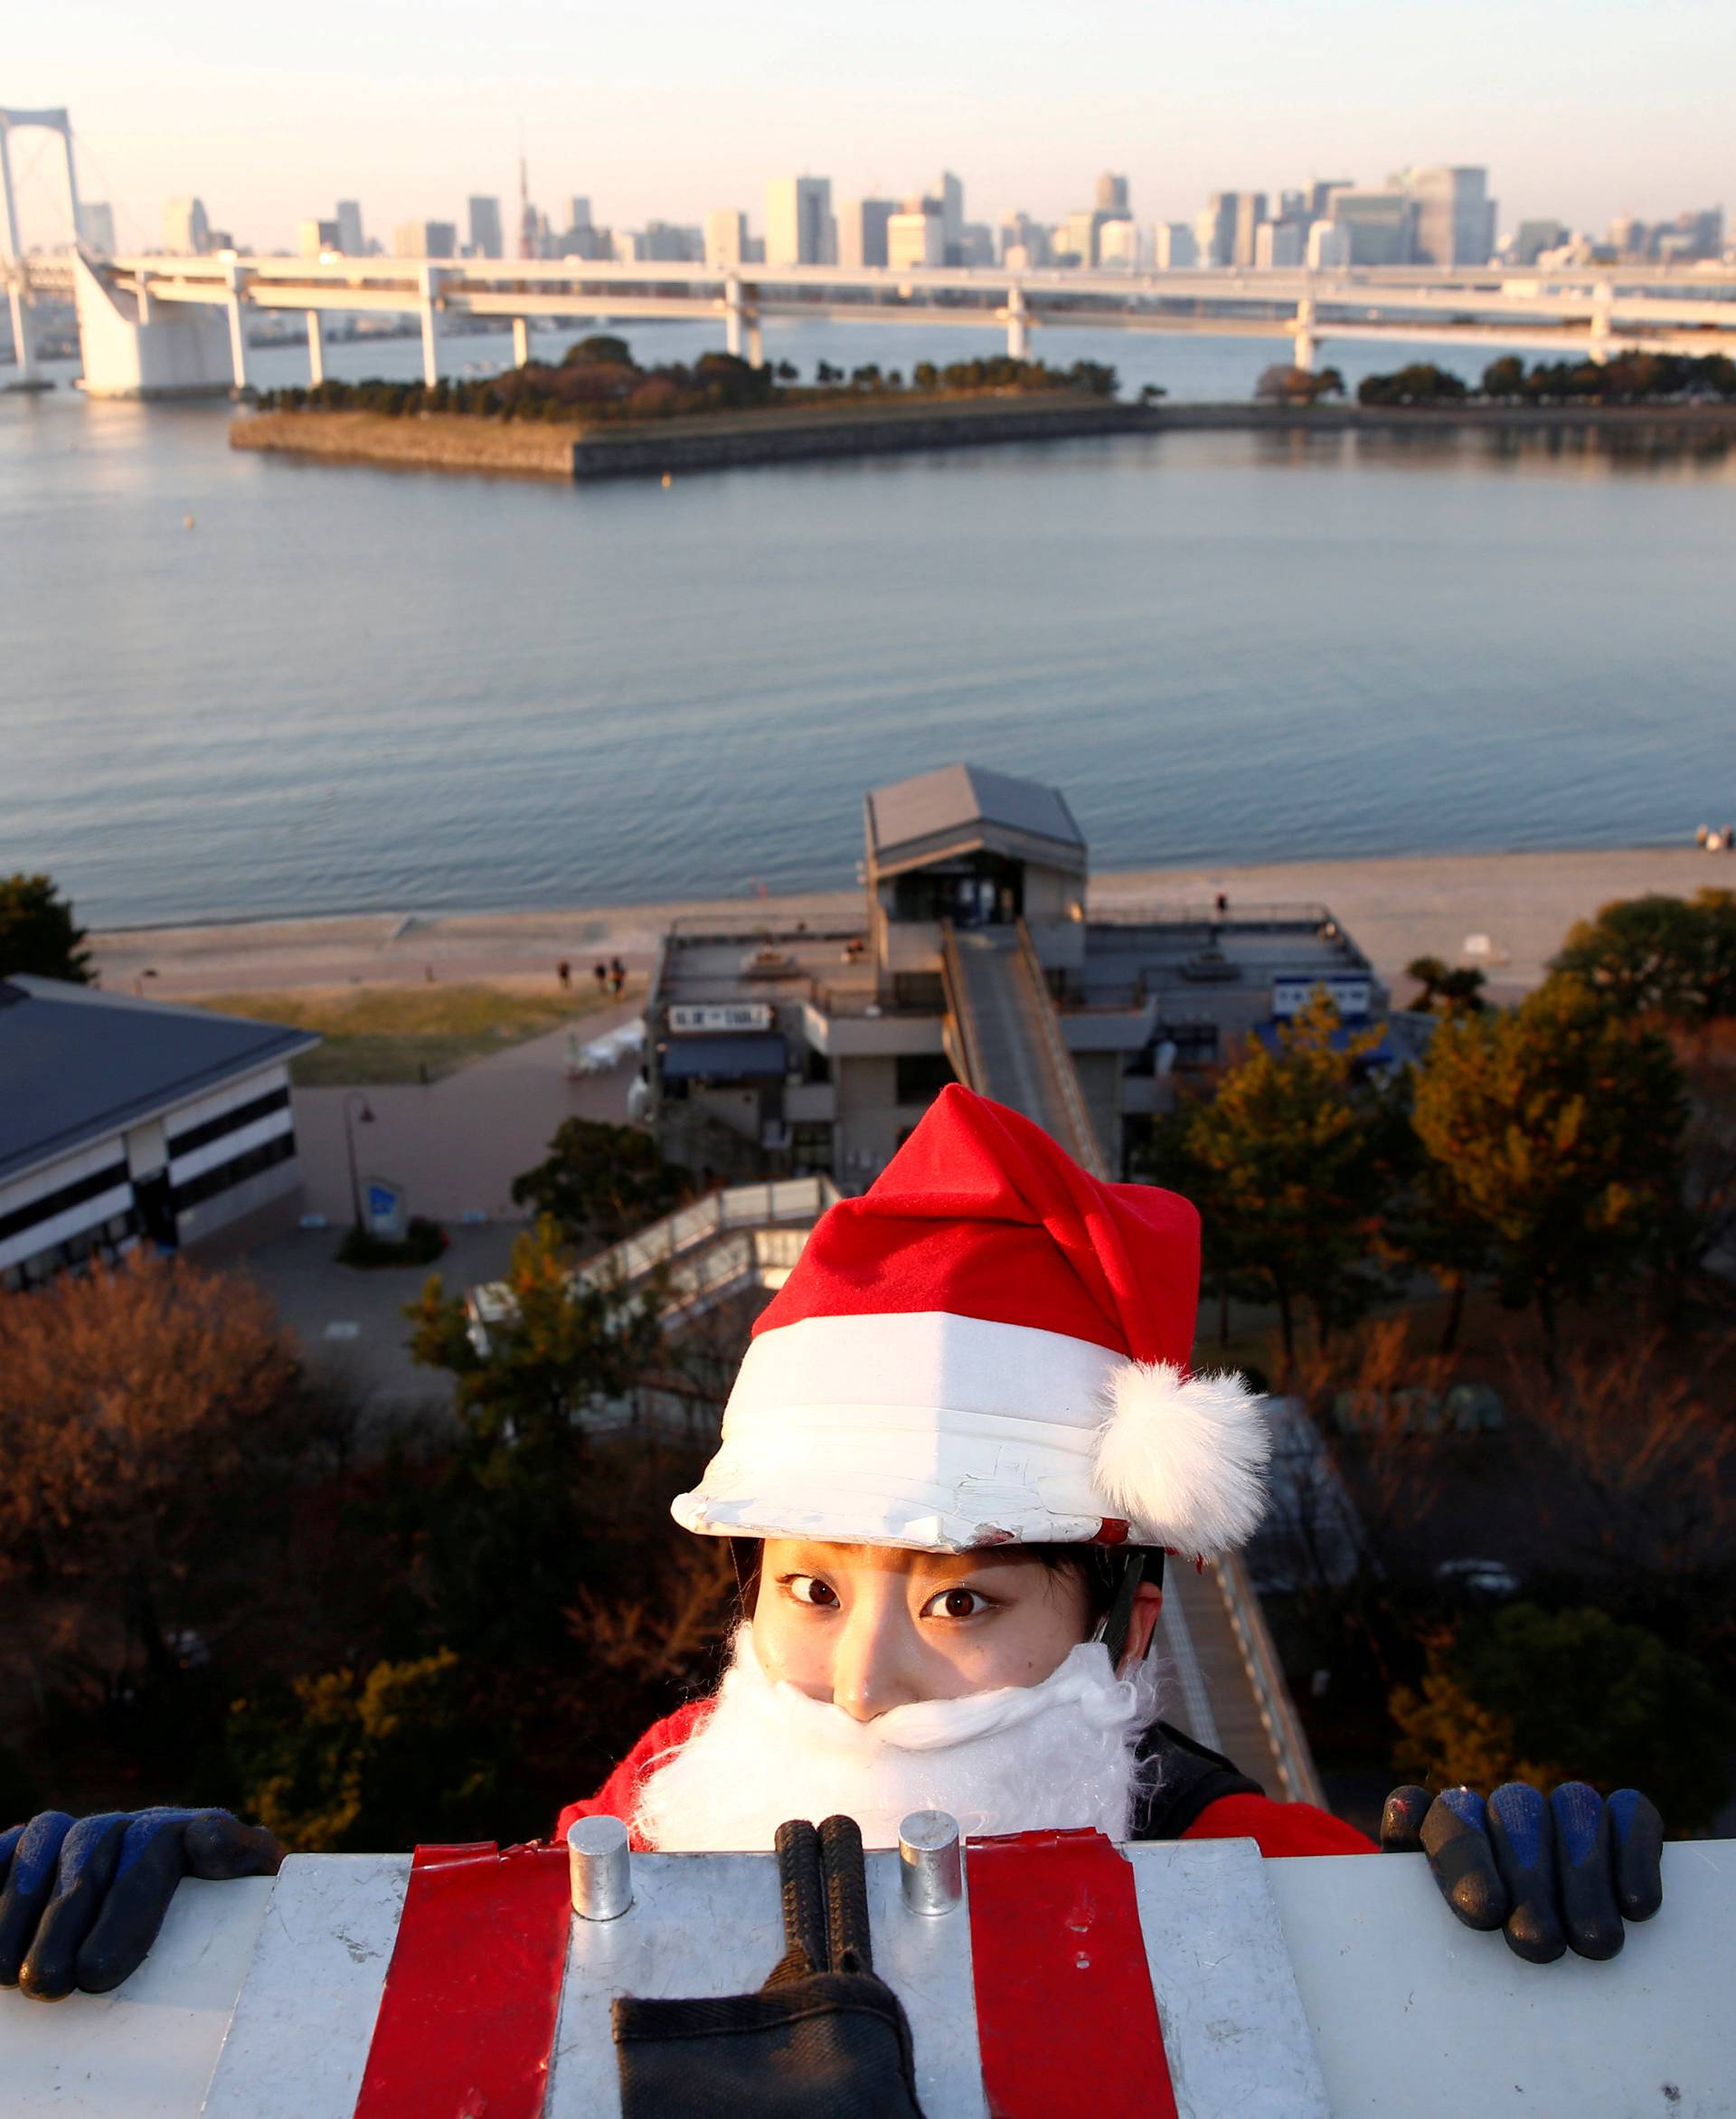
456	442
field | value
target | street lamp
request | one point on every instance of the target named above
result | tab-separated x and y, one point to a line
363	1117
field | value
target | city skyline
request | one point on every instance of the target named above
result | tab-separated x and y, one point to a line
1630	118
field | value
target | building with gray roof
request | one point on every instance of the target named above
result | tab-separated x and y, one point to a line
124	1120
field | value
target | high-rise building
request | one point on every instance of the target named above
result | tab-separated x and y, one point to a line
726	239
350	239
1216	228
665	243
97	227
1075	241
1278	246
862	231
800	226
950	194
186	231
1250	218
1531	239
1019	231
1175	247
1380	225
1118	245
1328	247
1455	223
425	238
487	239
580	211
312	237
1320	195
1112	196
977	245
1628	236
914	240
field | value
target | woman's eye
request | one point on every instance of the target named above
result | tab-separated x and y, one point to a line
808	1589
955	1603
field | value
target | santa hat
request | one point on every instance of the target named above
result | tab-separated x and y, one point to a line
989	1347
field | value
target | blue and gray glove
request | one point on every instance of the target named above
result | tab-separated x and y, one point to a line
1553	1874
81	1899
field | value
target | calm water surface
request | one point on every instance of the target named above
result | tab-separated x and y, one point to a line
355	689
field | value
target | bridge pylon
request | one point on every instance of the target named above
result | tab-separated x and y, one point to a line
17	292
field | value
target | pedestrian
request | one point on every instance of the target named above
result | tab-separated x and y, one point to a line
617	976
1224	902
599	972
563	973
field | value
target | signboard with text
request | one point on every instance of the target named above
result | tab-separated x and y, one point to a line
713	1017
1350	994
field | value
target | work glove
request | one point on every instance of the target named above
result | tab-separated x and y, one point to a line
823	2039
1553	1874
81	1899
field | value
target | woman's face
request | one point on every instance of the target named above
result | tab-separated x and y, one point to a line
872	1627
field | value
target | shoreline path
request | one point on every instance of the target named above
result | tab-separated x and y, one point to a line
1394	908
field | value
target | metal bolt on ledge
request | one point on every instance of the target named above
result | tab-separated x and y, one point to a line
601	1866
930	1863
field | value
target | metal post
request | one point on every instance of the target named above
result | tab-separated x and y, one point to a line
521	341
316	349
930	1865
600	1866
65	130
349	1142
430	342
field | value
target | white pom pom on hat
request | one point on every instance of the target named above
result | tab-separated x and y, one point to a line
989	1347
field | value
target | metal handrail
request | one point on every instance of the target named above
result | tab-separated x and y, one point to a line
952	976
1278	1713
1086	1147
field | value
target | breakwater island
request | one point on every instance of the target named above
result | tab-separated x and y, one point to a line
598	415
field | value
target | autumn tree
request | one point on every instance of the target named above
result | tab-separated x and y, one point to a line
38	935
140	1404
1294	1149
1669	957
1452	989
1551	1696
599	1183
1556	1129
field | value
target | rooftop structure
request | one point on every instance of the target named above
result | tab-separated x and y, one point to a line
123	1119
815	1047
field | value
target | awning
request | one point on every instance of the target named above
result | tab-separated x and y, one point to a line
756	1058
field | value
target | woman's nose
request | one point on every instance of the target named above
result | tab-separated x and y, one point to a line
872	1669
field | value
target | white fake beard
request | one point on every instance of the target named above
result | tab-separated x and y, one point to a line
1056	1755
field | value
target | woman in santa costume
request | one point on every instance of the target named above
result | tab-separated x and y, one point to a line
961	1442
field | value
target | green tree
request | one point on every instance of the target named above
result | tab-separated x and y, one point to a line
1553	1695
1454	991
1504	380
1283	384
599	1183
1663	956
1556	1128
37	935
352	1762
607	351
1294	1147
561	1346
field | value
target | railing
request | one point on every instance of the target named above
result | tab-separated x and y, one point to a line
1086	1148
1277	1714
740	1207
1274	918
973	1068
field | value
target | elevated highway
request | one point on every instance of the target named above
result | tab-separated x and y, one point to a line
1596	310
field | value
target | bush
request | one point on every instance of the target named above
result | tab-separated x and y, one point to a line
422	1243
1553	1695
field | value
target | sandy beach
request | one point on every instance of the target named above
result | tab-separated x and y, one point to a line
1395	909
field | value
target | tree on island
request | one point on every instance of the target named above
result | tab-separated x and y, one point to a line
1285	385
38	935
587	352
1420	384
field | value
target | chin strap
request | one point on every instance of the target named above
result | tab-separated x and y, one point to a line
1143	1566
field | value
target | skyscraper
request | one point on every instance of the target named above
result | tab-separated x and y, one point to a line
862	231
1250	218
726	239
1174	246
313	237
186	232
800	226
349	229
1381	226
949	192
486	239
1216	228
1454	220
916	238
1112	200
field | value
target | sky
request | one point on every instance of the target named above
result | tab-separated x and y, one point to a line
1580	108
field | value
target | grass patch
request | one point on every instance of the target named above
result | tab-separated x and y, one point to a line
379	1034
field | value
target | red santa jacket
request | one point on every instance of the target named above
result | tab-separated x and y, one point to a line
1279	1828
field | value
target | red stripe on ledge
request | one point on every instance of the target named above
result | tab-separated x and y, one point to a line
466	2020
1065	2014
